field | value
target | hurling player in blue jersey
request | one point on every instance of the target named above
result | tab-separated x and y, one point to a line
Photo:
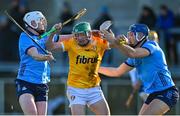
34	70
149	60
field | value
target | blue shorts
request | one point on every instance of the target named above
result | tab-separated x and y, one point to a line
170	96
39	91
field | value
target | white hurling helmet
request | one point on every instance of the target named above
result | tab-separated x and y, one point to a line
36	16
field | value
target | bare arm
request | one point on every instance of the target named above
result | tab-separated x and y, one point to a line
115	72
65	37
33	52
121	44
53	46
133	52
57	46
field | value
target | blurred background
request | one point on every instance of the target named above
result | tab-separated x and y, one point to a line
160	15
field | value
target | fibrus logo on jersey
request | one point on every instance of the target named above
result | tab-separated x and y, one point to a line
86	60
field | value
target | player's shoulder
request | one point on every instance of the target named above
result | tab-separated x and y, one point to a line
151	42
99	39
24	39
69	43
22	35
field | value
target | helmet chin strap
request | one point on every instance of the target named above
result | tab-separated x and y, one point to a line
138	42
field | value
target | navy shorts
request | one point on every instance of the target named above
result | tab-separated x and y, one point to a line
170	96
39	91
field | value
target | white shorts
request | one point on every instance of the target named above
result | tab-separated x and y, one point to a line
86	96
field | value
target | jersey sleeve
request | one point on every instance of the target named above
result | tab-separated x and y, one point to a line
25	43
104	44
66	44
150	46
130	62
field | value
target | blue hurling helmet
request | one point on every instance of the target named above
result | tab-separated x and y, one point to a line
139	28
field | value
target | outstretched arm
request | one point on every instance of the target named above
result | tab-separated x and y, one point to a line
115	72
57	46
52	46
65	37
121	43
133	52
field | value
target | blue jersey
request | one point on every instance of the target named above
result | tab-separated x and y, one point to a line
31	70
152	70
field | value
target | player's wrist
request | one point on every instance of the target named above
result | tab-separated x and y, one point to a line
43	57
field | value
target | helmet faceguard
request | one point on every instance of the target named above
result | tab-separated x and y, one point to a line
82	32
33	19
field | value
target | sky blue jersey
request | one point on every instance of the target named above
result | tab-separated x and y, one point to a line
31	70
152	70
